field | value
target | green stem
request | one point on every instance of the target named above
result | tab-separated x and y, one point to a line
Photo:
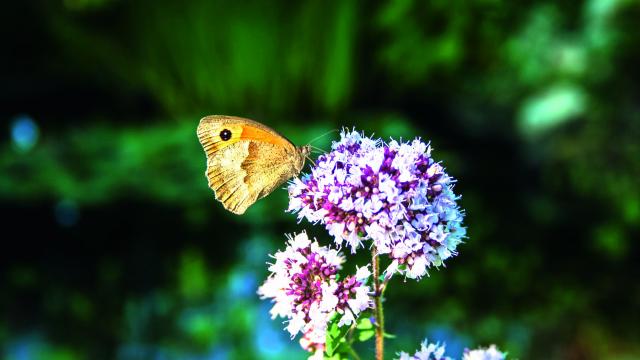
353	353
378	312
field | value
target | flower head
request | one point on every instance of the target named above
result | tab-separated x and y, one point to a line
305	289
490	353
436	352
393	194
427	352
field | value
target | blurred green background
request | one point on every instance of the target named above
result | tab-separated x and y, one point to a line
114	247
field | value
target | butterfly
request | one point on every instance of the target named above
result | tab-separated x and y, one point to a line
246	160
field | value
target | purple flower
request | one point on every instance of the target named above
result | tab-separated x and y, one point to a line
305	289
393	194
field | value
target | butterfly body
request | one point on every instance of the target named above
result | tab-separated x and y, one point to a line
246	160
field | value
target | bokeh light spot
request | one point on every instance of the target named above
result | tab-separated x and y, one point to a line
552	108
444	334
242	284
24	133
270	340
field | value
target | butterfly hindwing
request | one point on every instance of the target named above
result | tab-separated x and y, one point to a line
226	177
265	168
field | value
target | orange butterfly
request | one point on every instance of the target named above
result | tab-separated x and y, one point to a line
246	160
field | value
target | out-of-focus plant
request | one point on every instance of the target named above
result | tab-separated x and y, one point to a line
217	54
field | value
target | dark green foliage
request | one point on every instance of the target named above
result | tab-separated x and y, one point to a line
115	248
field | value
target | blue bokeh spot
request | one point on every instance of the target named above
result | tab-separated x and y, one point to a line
24	132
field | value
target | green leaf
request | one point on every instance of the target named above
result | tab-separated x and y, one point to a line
365	335
334	330
330	346
332	333
335	336
389	336
364	323
343	333
343	351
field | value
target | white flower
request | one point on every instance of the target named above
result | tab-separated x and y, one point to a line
317	355
418	268
490	353
362	301
335	195
300	241
427	352
296	324
337	230
346	319
329	299
347	204
362	273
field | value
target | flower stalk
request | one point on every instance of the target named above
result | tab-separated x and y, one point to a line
378	311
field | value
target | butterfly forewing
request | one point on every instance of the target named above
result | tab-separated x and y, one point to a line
245	160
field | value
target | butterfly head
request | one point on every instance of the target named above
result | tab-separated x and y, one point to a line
305	152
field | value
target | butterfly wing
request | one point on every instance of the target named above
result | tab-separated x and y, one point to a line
245	160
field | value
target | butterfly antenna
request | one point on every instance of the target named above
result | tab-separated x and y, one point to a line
323	135
321	150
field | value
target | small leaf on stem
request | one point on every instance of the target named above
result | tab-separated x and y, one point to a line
365	335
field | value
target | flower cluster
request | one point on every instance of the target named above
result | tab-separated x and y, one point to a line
436	352
393	194
490	353
305	289
427	352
